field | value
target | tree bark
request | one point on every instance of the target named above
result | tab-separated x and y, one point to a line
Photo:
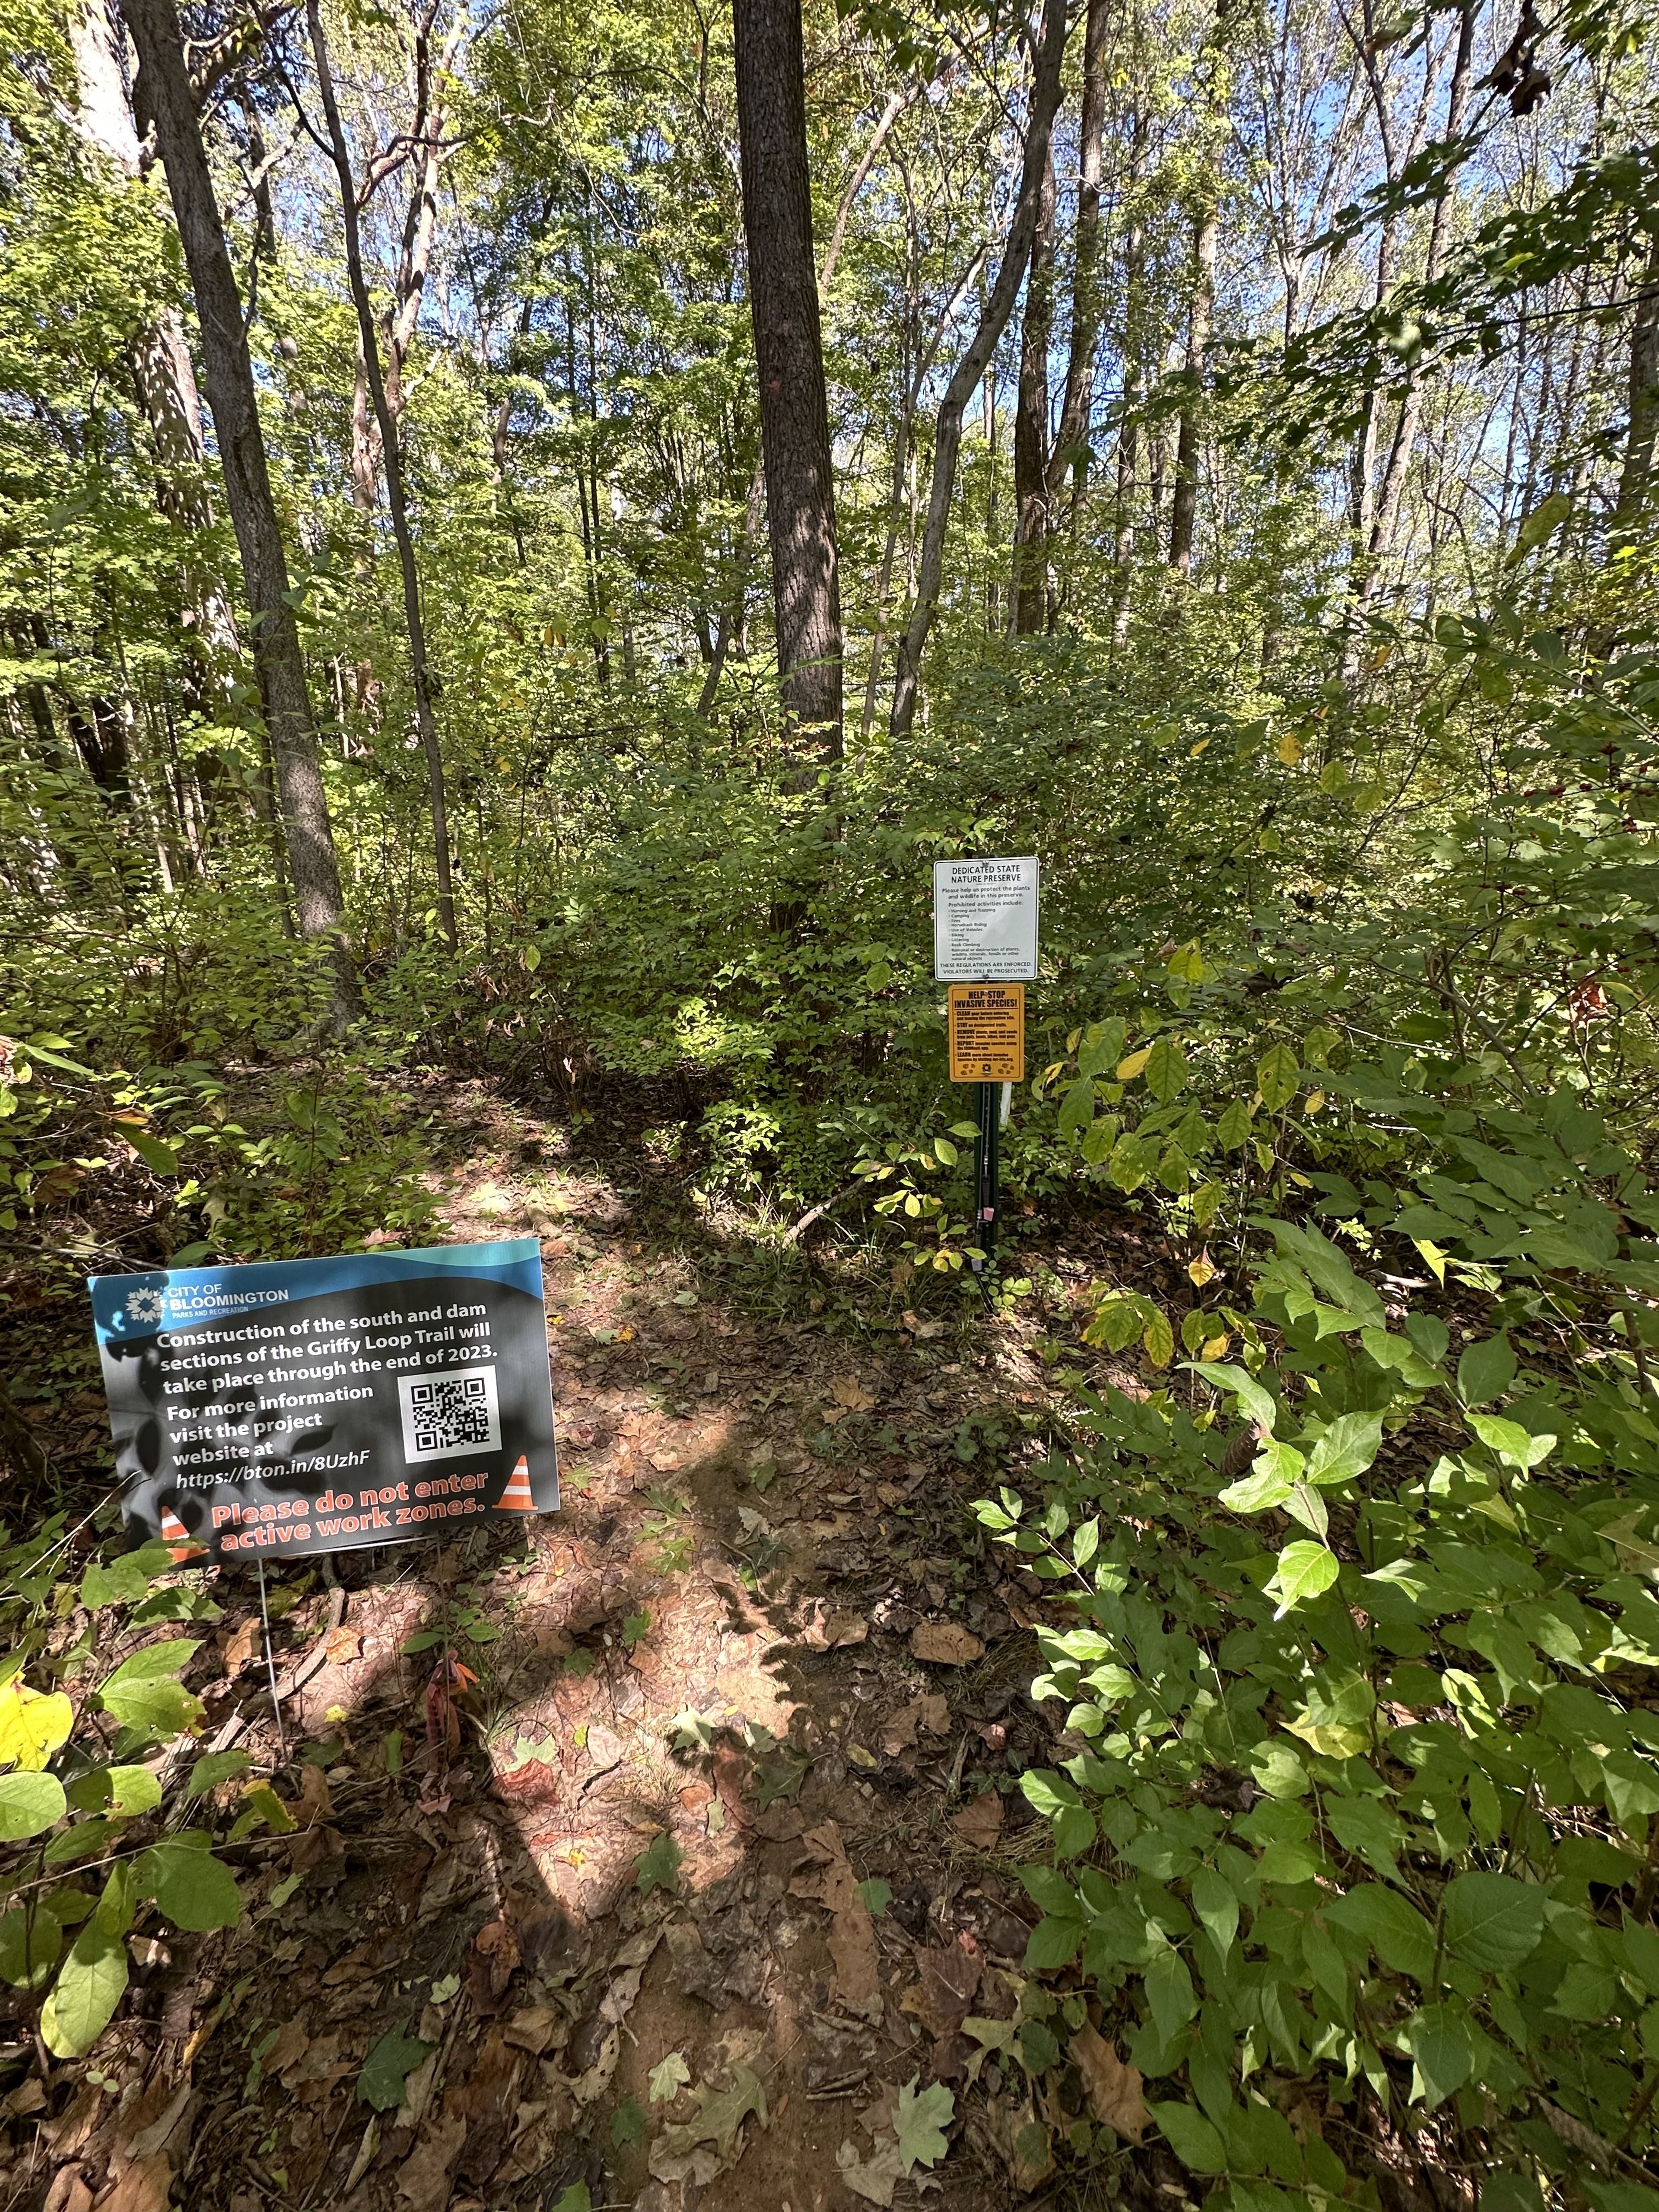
1183	505
1071	447
1030	578
993	320
391	459
783	294
277	656
1636	472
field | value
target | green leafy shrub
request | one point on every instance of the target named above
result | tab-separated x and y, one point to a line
99	1800
1363	1782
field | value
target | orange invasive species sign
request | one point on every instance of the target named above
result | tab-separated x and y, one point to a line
987	1032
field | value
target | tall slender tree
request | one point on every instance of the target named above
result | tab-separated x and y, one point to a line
794	408
1029	581
163	96
392	457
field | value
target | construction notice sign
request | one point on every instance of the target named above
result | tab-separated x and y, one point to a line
318	1405
987	1032
985	921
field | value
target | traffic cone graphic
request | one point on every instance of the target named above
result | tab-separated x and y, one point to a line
179	1540
516	1498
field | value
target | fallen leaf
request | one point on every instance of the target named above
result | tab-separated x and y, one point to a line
290	2047
665	1463
313	1802
899	1730
874	2179
945	1643
847	1390
980	1820
1112	2088
668	2078
852	1931
532	2029
68	2193
424	2176
944	1996
604	1747
242	1649
342	1646
144	2187
935	1713
919	2121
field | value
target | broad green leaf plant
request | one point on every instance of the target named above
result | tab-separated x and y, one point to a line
101	1798
1358	1806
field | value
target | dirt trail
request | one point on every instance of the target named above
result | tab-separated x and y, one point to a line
678	1847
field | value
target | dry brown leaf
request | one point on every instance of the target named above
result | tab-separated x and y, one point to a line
852	1931
314	1803
1112	2088
934	1713
424	2177
344	1645
290	2047
242	1649
899	1730
847	1390
664	1462
532	2030
980	1820
68	2193
945	1643
144	2187
944	1996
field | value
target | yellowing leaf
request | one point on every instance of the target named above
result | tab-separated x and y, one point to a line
1315	1102
33	1724
1289	749
1202	1270
1128	1069
1199	748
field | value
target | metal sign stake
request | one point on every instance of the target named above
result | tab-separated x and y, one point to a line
988	1160
270	1660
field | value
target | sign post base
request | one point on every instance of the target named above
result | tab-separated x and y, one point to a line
987	1149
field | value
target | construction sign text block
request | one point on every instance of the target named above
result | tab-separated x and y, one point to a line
987	1032
310	1406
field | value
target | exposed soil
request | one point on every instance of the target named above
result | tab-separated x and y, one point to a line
635	1804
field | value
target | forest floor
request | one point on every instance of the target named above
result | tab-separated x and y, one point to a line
666	1850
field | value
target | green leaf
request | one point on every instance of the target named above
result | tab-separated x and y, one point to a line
1401	1938
1346	1450
658	1868
1546	519
31	1944
1336	1720
160	1157
1485	1370
1513	1444
1077	1109
1364	1825
628	2124
1305	1570
1278	1076
215	1767
133	1790
1102	1046
1274	1474
1443	2052
1158	1338
155	1662
1166	1070
388	2067
1216	1903
667	2078
87	1990
574	2199
1053	1942
920	2122
1170	1992
29	1804
159	1707
1233	1128
1195	2142
194	1889
1255	1403
33	1724
878	1895
1493	1920
946	1151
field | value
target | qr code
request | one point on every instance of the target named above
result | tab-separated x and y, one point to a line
445	1415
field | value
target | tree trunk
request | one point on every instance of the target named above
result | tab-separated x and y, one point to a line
783	294
1183	507
1029	583
1636	473
277	656
947	437
1071	446
391	459
1129	442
